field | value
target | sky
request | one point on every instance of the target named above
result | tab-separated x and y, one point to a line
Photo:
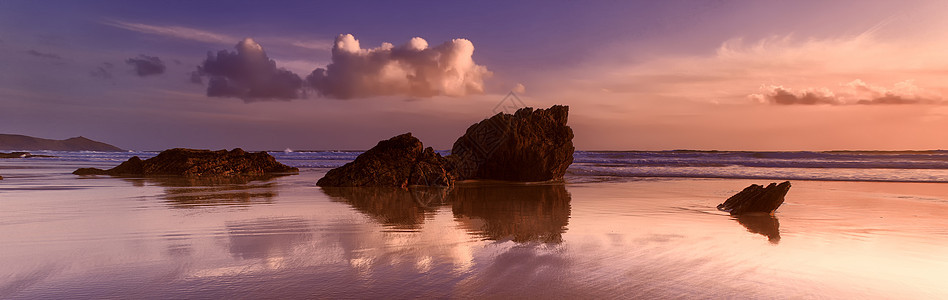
637	75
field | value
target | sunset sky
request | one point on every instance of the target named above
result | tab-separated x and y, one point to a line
637	75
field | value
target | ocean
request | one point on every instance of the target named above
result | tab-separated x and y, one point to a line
623	224
885	166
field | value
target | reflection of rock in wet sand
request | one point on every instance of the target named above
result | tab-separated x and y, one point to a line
518	212
265	238
185	192
763	224
397	207
522	213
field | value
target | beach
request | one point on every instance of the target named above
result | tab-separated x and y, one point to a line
68	236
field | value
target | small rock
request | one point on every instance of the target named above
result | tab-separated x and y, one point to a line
15	155
756	198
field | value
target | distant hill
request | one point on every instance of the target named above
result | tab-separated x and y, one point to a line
22	142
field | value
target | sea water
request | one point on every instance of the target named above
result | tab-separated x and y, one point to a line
623	224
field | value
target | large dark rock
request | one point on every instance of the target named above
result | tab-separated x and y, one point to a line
529	145
756	199
400	161
190	162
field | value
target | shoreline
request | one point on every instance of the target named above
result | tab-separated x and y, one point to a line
661	236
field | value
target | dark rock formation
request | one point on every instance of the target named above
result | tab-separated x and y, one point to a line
530	145
756	199
21	155
22	142
190	162
14	155
400	161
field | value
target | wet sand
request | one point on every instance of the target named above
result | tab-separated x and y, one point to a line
70	237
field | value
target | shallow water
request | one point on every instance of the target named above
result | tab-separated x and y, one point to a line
65	236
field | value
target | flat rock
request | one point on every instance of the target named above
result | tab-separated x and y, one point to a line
756	199
191	162
527	146
21	155
399	162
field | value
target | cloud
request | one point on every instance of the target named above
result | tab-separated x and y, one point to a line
173	31
146	65
196	77
793	69
43	54
248	74
855	92
412	69
193	34
102	71
313	45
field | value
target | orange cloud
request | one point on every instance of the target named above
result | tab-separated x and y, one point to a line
855	92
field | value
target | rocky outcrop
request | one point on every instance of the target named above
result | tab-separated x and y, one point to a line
527	146
400	161
190	162
756	199
530	145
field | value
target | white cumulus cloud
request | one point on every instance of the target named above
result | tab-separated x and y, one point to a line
412	69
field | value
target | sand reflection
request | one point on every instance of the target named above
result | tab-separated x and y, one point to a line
188	192
762	224
494	211
267	237
521	213
395	207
